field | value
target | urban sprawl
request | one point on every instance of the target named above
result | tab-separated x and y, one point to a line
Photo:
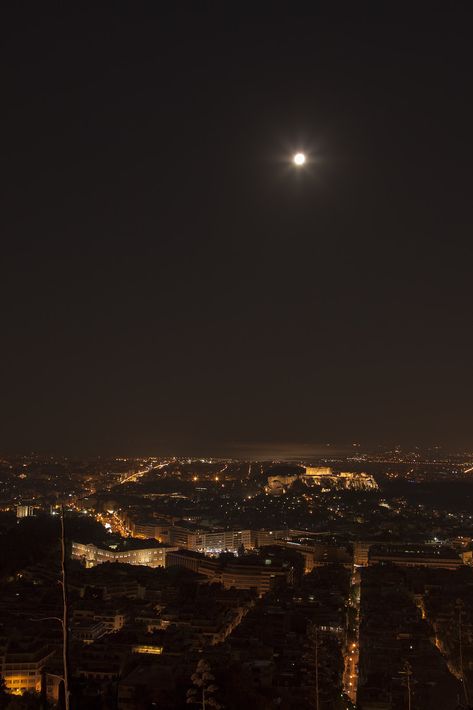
337	583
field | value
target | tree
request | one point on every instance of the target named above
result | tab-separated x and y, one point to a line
407	672
203	692
4	696
64	691
65	622
27	701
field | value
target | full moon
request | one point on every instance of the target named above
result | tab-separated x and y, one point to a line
299	159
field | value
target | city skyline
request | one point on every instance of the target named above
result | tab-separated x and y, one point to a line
174	561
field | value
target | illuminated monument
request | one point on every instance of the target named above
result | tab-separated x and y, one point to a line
321	476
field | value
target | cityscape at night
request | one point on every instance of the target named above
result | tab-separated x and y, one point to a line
236	441
297	582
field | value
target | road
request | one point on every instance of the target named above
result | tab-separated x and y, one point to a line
109	518
351	655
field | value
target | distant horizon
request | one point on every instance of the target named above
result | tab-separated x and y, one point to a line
262	451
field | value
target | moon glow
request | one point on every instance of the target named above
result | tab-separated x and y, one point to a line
299	159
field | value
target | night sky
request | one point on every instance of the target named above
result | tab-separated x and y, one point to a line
170	283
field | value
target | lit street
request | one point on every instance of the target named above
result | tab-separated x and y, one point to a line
350	676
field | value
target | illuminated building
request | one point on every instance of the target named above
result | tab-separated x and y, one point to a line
149	649
255	574
241	573
318	471
215	541
467	557
416	556
345	479
148	530
277	485
231	540
145	531
112	619
361	553
267	537
321	476
181	536
21	664
24	511
357	481
87	630
91	555
194	561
